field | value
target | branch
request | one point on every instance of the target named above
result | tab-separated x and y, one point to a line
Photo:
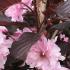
41	7
4	23
54	34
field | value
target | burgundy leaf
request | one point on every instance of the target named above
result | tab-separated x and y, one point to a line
21	47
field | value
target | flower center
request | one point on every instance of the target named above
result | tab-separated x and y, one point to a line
42	54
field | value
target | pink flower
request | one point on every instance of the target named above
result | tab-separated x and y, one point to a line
15	12
62	36
45	55
5	44
66	39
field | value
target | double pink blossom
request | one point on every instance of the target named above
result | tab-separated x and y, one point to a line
45	55
16	11
5	44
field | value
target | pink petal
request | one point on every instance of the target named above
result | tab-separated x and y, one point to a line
66	39
62	36
26	30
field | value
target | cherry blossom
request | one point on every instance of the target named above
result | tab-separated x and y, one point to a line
5	44
17	10
45	55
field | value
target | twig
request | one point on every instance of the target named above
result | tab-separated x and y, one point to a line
41	7
27	7
54	34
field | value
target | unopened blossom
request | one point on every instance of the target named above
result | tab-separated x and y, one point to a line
45	55
5	44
